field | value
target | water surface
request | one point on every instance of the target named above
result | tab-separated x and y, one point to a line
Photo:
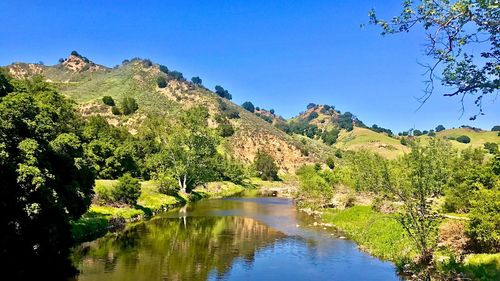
228	239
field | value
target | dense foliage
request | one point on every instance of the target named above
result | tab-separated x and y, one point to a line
223	93
46	180
129	105
248	106
265	166
108	100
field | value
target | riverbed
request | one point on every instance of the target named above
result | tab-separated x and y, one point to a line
256	238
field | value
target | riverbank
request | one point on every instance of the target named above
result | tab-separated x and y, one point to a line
100	219
382	236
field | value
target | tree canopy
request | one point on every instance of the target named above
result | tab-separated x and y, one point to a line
463	40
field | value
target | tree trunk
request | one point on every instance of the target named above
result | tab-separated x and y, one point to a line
182	184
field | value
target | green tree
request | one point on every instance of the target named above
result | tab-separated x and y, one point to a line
197	81
330	137
455	30
463	139
129	106
46	182
496	128
223	93
484	226
415	179
248	106
161	81
265	166
5	86
491	147
330	162
127	190
314	190
188	150
108	100
440	128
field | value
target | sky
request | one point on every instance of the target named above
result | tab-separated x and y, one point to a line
277	54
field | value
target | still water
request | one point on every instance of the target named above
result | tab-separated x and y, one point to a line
228	239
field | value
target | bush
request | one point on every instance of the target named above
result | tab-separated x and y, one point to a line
404	141
161	81
129	106
330	163
248	106
225	130
163	69
147	63
223	93
177	75
440	128
484	226
196	80
108	100
338	153
463	139
115	110
265	166
127	190
491	147
496	128
168	185
314	190
312	116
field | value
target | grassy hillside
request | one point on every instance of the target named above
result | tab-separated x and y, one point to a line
362	138
477	138
86	83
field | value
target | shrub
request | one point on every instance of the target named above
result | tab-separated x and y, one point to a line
330	163
496	128
167	185
163	69
223	93
196	80
404	141
232	114
311	105
115	110
484	226
440	128
129	106
312	116
265	166
127	190
330	137
271	111
314	190
463	139
161	81
338	153
108	100
248	106
147	63
177	75
491	147
225	130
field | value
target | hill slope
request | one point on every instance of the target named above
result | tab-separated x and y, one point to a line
87	82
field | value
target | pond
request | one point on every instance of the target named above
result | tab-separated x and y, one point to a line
262	238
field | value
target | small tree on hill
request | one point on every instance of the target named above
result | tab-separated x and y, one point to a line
248	106
196	80
223	93
108	100
496	128
129	106
463	139
440	128
265	166
161	81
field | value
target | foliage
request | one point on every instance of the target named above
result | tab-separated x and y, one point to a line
379	129
347	120
440	128
108	100
129	106
330	137
177	75
496	128
115	110
187	150
330	162
248	106
265	166
417	132
315	191
491	147
463	139
312	116
484	226
46	181
455	30
311	105
5	86
127	190
161	81
163	69
223	93
197	80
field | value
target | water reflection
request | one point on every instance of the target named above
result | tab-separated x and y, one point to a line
228	239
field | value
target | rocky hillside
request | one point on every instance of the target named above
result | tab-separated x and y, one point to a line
87	82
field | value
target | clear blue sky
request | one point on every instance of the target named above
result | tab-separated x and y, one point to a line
277	54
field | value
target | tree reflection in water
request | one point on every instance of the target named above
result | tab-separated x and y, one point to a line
184	248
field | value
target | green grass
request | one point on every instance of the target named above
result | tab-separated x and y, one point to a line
482	266
478	139
379	234
362	138
219	189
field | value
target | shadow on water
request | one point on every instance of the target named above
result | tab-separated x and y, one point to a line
227	239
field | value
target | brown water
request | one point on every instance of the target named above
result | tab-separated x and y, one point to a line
228	239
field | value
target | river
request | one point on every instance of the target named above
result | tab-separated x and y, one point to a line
261	238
